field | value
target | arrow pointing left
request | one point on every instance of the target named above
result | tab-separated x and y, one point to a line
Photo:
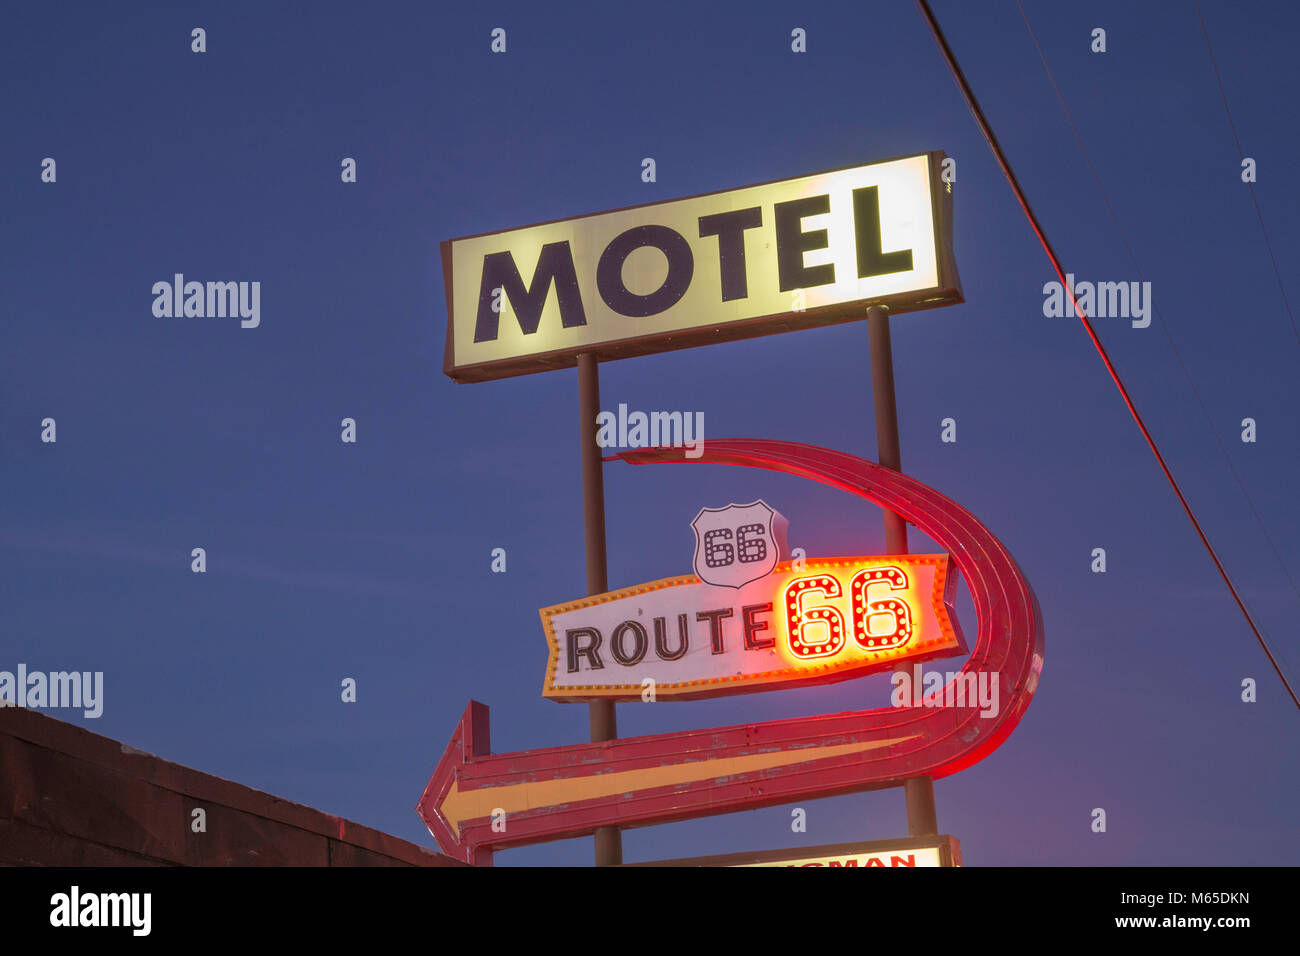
476	801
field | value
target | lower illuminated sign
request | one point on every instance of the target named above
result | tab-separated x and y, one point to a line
808	622
917	852
478	802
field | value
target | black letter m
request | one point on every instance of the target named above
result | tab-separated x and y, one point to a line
554	267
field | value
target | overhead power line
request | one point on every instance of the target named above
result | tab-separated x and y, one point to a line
1259	213
1164	326
987	130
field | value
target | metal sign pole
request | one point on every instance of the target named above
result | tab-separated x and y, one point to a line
603	719
918	791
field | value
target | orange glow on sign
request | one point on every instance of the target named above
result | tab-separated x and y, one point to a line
827	620
802	623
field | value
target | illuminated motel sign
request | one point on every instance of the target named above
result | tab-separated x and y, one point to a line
797	253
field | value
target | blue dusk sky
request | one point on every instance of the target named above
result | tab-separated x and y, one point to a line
372	560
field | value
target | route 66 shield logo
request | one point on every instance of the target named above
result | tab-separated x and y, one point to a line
738	544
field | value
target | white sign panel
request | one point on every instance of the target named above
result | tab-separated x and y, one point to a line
825	620
774	257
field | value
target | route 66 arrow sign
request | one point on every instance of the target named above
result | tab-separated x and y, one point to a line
477	802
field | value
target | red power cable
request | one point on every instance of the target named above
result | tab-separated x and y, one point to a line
1005	165
1164	327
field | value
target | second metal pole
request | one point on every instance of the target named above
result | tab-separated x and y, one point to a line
602	718
918	791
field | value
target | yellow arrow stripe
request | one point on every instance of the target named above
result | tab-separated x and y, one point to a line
461	805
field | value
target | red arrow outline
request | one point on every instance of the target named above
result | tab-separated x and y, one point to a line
905	742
